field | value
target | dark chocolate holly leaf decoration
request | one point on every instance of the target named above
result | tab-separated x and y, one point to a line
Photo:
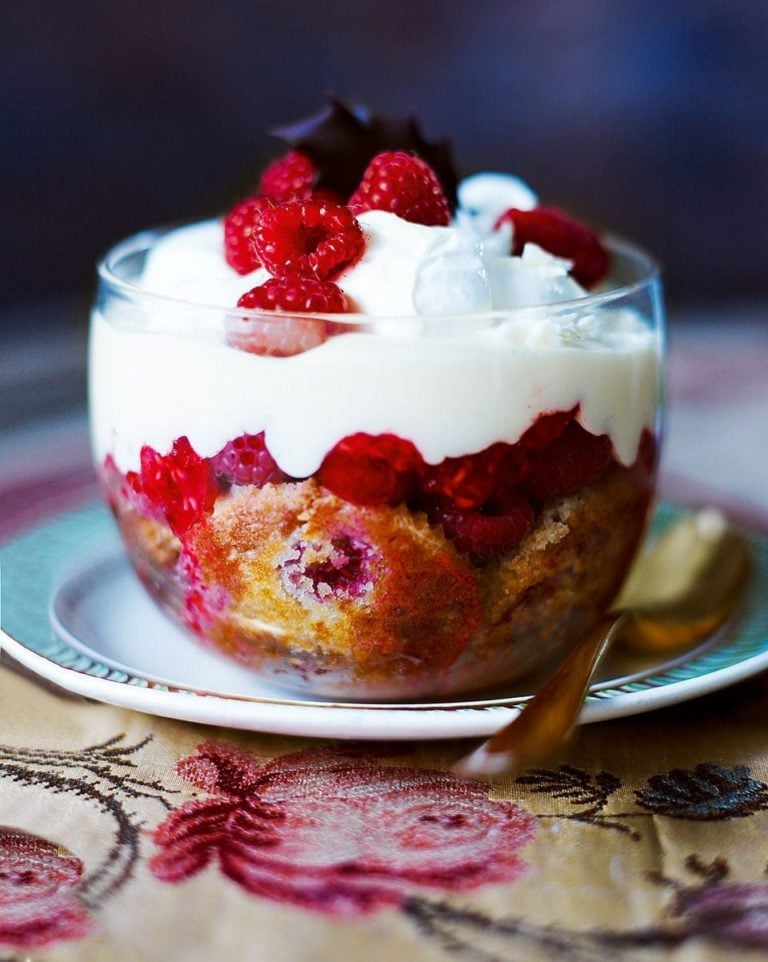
342	139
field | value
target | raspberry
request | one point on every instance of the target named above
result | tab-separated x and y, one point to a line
246	460
547	428
491	477
180	483
280	335
239	225
338	568
575	459
468	481
313	238
290	177
406	186
562	236
371	470
204	602
486	536
514	467
295	293
648	451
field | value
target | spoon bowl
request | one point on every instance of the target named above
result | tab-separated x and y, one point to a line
678	593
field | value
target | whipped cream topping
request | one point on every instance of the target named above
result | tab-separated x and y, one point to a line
451	384
188	263
484	197
409	269
406	269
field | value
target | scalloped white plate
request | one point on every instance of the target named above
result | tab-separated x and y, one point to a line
74	613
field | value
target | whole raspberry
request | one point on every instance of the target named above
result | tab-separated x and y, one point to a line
180	483
371	469
465	482
313	238
290	177
292	292
575	459
547	428
239	225
562	236
246	460
404	185
486	536
281	335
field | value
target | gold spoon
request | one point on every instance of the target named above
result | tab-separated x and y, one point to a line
678	592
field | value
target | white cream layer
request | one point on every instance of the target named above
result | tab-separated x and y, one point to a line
450	394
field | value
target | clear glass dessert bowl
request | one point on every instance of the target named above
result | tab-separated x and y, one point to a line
379	508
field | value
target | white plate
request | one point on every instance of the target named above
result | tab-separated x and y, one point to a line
106	640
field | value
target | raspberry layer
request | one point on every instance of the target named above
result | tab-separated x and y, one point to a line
400	596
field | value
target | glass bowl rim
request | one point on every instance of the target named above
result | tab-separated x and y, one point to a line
649	270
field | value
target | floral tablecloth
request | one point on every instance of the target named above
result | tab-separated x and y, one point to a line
129	837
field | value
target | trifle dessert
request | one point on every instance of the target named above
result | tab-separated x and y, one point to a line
376	433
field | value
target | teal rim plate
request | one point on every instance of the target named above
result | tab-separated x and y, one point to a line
73	612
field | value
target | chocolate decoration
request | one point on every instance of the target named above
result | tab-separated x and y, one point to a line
342	140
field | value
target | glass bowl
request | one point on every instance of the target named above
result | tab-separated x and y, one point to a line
379	508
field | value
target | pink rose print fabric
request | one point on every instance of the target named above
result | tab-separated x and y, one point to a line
336	832
38	904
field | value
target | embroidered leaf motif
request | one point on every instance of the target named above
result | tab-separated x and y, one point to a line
713	872
104	775
580	788
574	784
473	935
706	793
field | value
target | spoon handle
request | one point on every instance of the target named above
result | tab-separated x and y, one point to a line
548	717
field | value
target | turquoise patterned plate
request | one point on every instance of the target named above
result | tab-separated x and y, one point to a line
74	613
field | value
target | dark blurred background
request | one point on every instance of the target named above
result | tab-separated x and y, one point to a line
650	119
